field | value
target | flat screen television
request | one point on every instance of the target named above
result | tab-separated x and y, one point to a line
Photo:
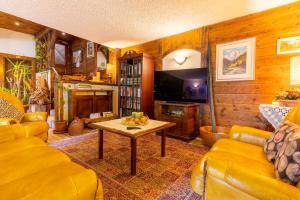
188	85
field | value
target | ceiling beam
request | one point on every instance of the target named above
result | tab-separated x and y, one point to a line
43	33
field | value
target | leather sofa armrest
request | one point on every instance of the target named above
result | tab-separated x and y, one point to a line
11	132
198	176
249	135
35	116
258	185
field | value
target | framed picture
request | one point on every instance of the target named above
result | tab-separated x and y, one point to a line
77	57
288	45
90	49
236	60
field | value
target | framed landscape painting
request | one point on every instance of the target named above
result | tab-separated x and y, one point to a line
288	45
236	60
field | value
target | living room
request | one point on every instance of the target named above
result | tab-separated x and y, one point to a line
150	99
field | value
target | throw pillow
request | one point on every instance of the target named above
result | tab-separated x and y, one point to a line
274	143
7	110
287	164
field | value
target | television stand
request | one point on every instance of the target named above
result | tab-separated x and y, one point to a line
177	102
184	114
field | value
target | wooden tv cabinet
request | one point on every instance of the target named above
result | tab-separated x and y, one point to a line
185	115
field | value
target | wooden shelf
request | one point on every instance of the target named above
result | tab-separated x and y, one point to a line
136	83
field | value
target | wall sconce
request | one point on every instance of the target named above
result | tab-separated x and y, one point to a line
180	60
295	71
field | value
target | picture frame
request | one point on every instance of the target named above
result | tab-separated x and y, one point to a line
90	49
77	57
235	61
288	45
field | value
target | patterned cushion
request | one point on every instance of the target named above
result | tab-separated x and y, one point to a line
275	141
287	163
8	110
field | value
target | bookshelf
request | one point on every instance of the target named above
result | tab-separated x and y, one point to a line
136	83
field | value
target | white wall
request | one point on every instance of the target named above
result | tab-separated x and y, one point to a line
16	43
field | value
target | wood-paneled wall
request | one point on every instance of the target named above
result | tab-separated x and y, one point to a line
237	102
89	65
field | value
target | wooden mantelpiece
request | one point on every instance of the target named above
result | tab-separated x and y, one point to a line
185	115
81	102
84	102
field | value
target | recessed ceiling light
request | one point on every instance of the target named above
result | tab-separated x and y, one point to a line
63	33
17	23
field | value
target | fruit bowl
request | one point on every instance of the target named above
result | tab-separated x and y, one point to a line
136	119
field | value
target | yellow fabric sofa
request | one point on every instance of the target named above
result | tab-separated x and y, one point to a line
237	168
35	123
30	169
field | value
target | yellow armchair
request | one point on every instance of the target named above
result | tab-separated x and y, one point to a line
34	124
237	168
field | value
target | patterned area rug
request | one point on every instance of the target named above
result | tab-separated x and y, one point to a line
165	178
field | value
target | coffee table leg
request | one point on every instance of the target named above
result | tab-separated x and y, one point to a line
163	143
133	156
100	144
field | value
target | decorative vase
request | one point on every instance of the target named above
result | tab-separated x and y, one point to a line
76	127
209	138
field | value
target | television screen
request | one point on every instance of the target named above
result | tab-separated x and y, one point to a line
188	85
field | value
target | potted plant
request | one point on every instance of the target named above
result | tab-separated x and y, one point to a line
288	98
60	125
18	79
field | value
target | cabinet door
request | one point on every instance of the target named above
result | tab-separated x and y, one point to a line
102	103
83	106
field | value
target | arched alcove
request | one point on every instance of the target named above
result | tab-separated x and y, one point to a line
182	59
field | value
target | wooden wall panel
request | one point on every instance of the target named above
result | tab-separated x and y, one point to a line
89	65
237	102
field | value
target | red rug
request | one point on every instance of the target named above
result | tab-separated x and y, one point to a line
157	177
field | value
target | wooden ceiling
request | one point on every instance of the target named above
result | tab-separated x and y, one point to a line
8	21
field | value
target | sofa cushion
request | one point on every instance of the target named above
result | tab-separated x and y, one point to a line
15	146
224	158
29	161
275	141
7	110
64	181
249	151
288	159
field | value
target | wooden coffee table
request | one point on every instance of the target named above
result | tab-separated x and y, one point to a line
115	126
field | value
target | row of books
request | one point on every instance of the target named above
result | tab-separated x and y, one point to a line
130	91
131	69
130	81
131	103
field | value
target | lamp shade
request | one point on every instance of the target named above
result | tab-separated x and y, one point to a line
295	71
